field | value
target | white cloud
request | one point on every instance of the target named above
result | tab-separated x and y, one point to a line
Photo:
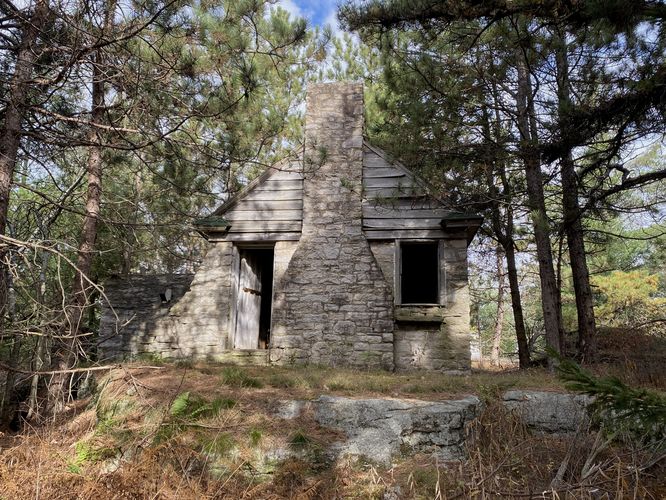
294	9
332	20
291	7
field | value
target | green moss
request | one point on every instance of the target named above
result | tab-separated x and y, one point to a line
255	437
86	451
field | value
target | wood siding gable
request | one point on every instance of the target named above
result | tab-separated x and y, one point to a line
396	204
270	208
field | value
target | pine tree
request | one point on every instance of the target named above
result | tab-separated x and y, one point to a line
622	411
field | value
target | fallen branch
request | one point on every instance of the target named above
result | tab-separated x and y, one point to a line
8	368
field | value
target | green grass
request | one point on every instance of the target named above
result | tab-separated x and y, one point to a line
234	376
311	379
220	444
255	437
299	440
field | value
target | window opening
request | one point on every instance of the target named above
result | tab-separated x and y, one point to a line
419	273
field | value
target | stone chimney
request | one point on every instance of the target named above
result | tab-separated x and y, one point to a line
333	163
333	305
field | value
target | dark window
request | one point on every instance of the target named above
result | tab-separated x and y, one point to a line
419	283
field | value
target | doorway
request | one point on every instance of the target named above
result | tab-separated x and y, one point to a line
254	298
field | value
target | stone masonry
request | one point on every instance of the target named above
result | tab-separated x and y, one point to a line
445	345
194	323
333	305
139	304
333	287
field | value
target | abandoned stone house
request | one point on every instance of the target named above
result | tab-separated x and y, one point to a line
341	258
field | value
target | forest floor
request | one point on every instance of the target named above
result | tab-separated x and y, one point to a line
203	430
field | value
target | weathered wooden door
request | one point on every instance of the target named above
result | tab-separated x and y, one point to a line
248	307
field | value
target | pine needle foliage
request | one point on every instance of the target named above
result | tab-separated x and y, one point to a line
187	408
634	413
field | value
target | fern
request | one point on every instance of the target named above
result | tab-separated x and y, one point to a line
188	406
180	405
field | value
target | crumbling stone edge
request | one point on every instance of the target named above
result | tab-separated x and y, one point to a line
380	429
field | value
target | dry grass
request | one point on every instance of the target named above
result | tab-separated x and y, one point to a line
311	381
127	444
633	356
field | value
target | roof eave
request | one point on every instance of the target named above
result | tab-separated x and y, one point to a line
470	223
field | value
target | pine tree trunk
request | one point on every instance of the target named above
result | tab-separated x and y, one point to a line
516	304
10	140
67	351
573	225
8	400
552	316
504	232
499	319
17	104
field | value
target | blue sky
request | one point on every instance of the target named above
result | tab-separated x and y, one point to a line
317	12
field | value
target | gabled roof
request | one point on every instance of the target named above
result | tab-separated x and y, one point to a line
396	204
270	204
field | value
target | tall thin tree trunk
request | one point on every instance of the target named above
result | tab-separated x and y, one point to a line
67	353
516	304
552	315
8	407
39	359
17	104
572	222
499	319
18	97
504	232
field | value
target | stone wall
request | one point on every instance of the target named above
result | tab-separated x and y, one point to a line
384	252
333	305
194	323
423	343
456	327
137	306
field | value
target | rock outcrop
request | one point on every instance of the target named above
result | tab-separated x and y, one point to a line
381	429
549	412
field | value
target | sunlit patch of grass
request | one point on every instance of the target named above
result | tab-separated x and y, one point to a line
234	376
282	381
313	380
